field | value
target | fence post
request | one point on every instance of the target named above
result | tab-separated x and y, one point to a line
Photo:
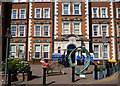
23	77
107	66
73	74
9	78
95	72
44	76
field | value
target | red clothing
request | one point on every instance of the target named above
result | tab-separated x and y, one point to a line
45	64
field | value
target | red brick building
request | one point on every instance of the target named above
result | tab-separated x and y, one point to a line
41	27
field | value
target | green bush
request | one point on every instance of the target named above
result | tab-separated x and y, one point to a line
98	68
16	65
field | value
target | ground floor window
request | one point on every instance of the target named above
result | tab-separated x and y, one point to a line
21	51
37	51
46	51
96	51
105	51
12	50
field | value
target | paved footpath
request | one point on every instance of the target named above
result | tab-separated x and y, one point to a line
67	78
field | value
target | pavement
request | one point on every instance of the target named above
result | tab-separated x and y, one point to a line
55	79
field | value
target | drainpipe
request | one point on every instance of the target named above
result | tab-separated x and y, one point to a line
53	26
27	31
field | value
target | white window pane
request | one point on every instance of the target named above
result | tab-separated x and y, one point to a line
45	48
37	48
45	30
66	9
95	29
119	30
37	30
13	30
21	47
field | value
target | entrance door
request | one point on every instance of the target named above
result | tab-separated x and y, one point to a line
69	49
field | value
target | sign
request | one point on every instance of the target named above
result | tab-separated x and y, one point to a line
111	60
56	56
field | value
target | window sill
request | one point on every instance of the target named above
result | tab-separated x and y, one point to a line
99	18
100	36
100	58
71	15
18	37
42	36
42	18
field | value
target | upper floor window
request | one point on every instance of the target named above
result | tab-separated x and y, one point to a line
95	30
76	28
46	12
66	9
14	13
76	9
105	51
21	51
104	30
21	30
118	30
12	50
22	13
37	51
37	12
104	12
96	51
59	49
37	30
118	12
95	12
66	28
14	30
46	51
46	30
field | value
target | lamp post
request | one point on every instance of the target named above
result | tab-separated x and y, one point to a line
8	35
103	39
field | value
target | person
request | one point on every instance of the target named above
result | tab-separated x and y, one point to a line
42	60
46	64
83	58
78	59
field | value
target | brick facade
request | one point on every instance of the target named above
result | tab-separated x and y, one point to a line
65	26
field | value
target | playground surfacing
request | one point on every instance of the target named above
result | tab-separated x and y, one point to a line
67	78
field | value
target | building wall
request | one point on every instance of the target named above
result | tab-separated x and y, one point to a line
61	40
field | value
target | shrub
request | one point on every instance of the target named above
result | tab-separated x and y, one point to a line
98	68
16	65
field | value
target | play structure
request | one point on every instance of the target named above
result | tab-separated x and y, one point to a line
85	66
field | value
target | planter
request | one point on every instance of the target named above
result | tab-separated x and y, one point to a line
99	74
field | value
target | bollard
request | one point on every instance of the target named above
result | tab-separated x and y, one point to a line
95	72
23	77
9	78
73	74
108	72
44	76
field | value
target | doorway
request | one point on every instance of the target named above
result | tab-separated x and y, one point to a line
69	49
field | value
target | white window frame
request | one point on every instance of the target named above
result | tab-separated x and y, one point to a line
98	51
40	12
118	30
46	0
108	48
79	9
48	30
107	30
35	30
23	49
16	14
96	13
15	49
19	30
105	12
16	30
38	0
44	12
34	50
117	12
24	14
63	8
80	33
97	31
48	50
68	28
